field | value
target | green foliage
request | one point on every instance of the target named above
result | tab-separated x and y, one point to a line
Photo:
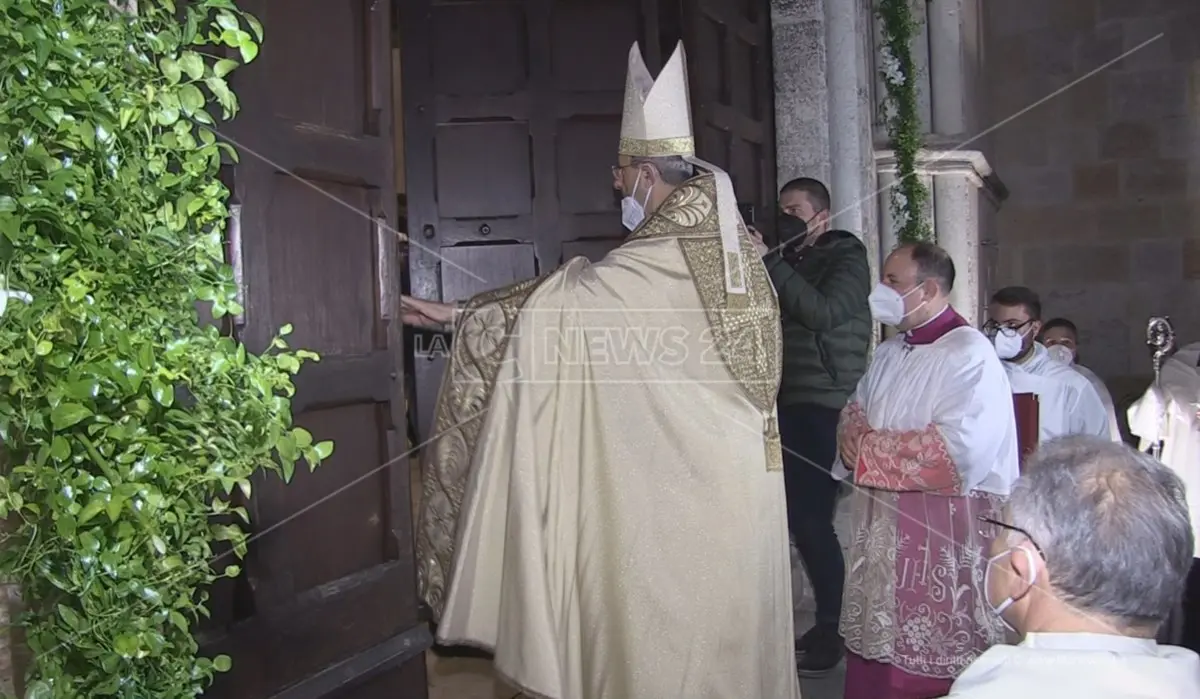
128	430
904	128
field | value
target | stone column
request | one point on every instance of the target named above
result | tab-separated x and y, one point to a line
847	80
823	104
801	95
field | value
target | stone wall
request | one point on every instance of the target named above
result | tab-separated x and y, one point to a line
1104	214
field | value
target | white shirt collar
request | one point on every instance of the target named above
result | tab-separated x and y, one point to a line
1110	642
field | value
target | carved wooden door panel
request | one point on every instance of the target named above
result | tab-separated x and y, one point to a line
728	43
330	606
512	116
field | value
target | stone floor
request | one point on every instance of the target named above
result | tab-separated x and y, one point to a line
471	678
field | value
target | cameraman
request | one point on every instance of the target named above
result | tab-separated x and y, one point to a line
823	280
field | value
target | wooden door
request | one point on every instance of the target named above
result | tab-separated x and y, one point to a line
728	43
512	117
328	605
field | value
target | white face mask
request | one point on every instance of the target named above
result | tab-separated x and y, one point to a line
633	212
887	304
1008	342
999	609
1061	353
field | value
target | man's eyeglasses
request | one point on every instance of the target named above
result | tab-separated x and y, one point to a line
990	528
1010	327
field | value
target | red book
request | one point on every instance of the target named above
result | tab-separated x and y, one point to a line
1025	405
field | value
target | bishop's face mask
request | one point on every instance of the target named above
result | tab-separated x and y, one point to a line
999	609
633	212
1061	353
887	304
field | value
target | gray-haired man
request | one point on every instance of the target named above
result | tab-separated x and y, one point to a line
1086	565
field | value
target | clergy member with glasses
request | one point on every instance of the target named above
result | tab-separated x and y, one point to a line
1067	401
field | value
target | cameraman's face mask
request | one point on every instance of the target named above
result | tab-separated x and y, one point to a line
792	231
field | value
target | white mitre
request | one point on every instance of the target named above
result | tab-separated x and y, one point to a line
657	123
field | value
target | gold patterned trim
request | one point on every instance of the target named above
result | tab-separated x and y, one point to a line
745	327
733	262
774	444
657	148
690	210
483	329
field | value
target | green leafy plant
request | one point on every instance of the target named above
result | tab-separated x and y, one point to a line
909	196
129	429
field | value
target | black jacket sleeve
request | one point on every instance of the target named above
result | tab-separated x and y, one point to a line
837	296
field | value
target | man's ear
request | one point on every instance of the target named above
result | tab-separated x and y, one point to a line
819	218
650	174
1020	561
1036	328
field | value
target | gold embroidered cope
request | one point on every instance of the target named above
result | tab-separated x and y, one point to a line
747	338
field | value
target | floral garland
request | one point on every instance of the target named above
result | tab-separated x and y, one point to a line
902	119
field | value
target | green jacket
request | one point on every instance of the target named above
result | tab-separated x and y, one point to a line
826	320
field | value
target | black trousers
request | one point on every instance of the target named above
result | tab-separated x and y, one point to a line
809	435
1191	609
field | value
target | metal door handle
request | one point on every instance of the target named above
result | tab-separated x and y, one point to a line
236	260
384	267
428	231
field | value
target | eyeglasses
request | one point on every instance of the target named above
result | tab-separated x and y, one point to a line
989	528
992	327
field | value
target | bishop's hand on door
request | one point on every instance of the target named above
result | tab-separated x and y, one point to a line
426	314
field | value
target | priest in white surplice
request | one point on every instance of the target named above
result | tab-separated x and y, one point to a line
614	527
1168	414
1061	338
1067	402
930	438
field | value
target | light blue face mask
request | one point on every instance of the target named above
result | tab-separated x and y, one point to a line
633	212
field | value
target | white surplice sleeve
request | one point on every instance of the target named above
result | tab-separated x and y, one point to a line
942	424
1088	414
1144	416
976	419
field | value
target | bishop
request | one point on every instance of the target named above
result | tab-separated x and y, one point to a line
614	527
